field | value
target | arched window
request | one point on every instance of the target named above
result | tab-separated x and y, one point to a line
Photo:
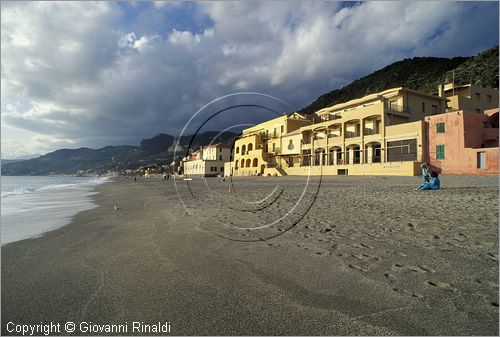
249	162
243	148
250	147
255	162
242	163
237	149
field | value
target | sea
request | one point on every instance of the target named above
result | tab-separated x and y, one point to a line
31	205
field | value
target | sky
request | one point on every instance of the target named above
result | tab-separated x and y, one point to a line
91	74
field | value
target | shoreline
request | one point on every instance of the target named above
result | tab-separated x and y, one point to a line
93	196
56	203
332	273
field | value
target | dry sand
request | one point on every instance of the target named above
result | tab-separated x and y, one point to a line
344	256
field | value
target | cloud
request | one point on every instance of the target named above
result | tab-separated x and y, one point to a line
99	73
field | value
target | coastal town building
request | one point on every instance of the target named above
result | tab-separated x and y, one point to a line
464	142
468	97
255	150
379	134
208	161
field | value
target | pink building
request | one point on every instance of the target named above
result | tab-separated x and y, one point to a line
463	142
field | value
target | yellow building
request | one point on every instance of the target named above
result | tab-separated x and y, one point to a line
256	149
379	134
468	97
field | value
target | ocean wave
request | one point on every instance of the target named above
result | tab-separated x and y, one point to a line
27	190
18	191
56	186
99	180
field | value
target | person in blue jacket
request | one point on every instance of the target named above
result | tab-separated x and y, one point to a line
429	181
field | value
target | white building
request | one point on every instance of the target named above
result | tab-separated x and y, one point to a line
207	161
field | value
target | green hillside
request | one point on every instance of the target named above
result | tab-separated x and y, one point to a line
110	158
419	73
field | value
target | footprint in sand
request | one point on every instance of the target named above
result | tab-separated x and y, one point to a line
493	257
354	266
390	277
421	268
313	248
441	285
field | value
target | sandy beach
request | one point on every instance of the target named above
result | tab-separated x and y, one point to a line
268	256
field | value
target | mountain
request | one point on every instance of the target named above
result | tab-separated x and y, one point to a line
84	160
8	161
419	73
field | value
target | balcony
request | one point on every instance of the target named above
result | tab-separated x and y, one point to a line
396	108
370	132
320	142
351	134
317	120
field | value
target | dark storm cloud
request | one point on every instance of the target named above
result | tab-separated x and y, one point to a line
92	74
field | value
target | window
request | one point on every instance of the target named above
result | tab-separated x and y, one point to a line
439	152
481	160
488	98
238	150
440	127
220	157
478	96
423	107
222	169
283	128
274	146
434	109
402	150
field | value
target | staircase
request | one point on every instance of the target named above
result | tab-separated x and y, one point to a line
280	170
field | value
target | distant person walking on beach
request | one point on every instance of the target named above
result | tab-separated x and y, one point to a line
430	181
135	178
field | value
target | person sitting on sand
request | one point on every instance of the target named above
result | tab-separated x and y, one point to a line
433	184
425	174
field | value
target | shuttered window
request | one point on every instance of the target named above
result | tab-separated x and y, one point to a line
439	152
440	128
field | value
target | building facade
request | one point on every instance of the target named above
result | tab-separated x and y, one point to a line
208	161
468	97
379	134
255	150
464	142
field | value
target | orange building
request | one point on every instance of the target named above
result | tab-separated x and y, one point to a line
463	142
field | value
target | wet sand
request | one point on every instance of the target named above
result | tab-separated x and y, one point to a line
334	256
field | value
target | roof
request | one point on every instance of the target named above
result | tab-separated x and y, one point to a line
291	133
217	145
374	97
